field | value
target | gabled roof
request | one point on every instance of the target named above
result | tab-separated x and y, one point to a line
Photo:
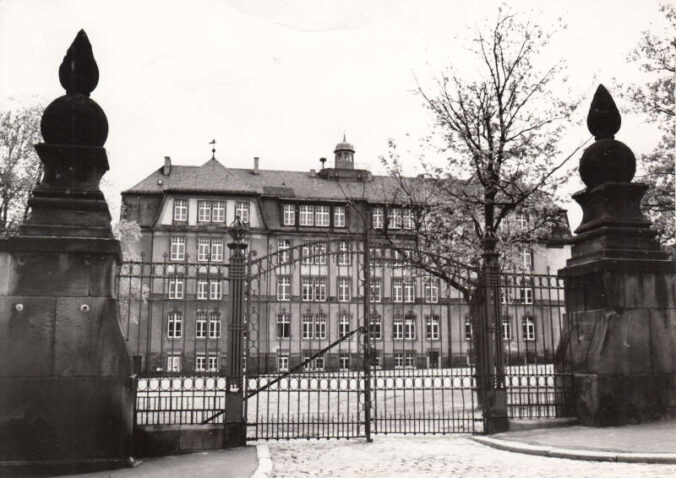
213	177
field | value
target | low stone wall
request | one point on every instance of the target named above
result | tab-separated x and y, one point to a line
161	440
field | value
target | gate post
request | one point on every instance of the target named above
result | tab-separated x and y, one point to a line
235	425
491	367
620	338
66	382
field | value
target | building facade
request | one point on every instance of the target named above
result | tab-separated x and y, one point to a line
306	239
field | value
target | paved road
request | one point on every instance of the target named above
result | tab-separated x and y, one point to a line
410	456
232	463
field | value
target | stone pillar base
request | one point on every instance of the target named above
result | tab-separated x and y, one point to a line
615	399
73	422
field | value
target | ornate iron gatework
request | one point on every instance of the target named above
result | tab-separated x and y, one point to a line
341	340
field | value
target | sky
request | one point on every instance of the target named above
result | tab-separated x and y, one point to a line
284	80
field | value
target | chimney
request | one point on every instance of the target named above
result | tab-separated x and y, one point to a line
167	166
323	161
255	169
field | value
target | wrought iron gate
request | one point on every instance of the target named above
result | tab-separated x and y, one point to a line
341	340
344	340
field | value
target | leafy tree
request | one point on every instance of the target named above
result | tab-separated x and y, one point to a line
20	167
656	57
500	125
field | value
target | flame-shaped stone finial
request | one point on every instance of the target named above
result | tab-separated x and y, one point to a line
78	72
76	119
604	119
606	160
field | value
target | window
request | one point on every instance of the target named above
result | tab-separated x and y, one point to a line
377	361
214	325
307	289
375	290
213	363
377	217
218	211
173	363
528	325
314	254
409	291
397	290
242	211
339	216
398	328
215	290
394	218
200	363
313	326
343	325
399	360
521	220
408	219
283	288
343	253
203	246
316	364
203	211
526	295
306	215
409	327
202	289
431	291
468	328
506	328
216	249
283	363
175	288
375	330
322	216
283	253
177	248
306	331
313	289
200	324
306	253
376	255
320	254
320	326
409	360
289	217
344	362
283	326
343	289
527	258
180	210
175	325
432	327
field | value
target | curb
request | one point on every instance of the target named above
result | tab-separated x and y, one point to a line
264	469
575	454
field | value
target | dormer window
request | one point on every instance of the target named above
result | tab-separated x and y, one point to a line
180	210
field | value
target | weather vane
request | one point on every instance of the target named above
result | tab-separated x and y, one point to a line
213	149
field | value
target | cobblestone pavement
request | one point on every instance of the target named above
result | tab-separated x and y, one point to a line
414	456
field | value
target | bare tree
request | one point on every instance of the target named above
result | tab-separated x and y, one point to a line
500	125
20	167
656	57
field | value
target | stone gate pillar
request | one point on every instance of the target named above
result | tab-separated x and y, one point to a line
620	337
66	388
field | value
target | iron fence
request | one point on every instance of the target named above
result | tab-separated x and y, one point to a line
331	351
